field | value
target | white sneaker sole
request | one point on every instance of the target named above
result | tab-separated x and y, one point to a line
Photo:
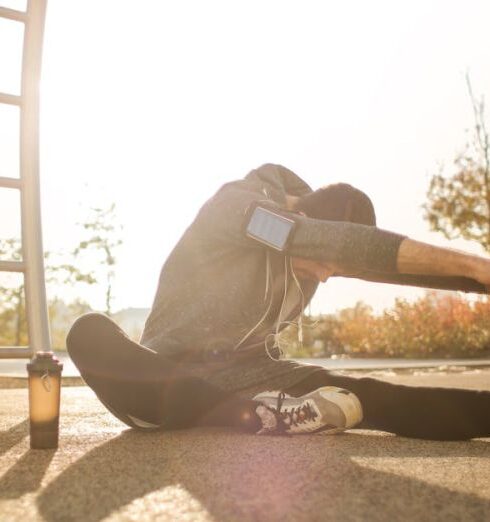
347	402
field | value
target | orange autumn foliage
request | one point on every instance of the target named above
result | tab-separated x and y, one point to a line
436	325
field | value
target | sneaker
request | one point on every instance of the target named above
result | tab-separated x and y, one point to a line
329	409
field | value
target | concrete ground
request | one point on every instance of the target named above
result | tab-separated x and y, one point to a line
104	471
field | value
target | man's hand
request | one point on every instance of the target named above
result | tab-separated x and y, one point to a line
415	257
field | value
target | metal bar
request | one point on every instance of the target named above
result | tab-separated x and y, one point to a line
13	14
12	266
10	99
12	352
13	183
32	247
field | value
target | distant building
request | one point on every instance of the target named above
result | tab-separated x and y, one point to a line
132	320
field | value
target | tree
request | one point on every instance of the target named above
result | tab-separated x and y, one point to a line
61	317
12	307
459	205
103	240
13	324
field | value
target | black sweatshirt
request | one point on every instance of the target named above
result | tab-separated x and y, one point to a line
219	290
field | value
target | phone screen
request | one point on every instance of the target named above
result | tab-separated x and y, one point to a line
270	228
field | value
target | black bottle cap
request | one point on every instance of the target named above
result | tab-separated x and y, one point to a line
45	361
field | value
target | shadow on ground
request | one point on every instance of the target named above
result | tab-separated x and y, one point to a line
233	476
14	435
27	473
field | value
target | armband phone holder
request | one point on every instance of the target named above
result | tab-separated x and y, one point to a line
269	227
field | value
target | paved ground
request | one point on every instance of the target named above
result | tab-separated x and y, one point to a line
103	471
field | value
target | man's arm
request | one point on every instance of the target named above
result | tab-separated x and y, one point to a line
415	257
357	247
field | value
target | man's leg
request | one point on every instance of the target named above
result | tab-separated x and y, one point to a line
420	412
142	388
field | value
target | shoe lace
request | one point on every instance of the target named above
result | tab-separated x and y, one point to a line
294	416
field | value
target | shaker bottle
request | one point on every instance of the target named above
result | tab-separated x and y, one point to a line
44	371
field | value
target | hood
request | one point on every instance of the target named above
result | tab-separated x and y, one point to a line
276	181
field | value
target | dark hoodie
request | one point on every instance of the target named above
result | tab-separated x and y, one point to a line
220	291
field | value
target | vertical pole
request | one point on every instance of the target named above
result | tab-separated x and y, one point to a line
32	246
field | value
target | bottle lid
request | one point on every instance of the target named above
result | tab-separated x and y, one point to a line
43	361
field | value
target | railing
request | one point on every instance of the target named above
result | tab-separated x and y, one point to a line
32	264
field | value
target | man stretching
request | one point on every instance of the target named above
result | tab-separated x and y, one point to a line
210	353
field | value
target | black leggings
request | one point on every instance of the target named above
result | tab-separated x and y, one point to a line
132	380
419	412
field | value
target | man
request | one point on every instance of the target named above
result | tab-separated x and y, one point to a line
209	353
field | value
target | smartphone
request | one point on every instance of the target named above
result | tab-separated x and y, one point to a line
270	228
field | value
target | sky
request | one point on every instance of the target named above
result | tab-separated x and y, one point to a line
153	105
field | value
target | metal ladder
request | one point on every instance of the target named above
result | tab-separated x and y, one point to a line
32	264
